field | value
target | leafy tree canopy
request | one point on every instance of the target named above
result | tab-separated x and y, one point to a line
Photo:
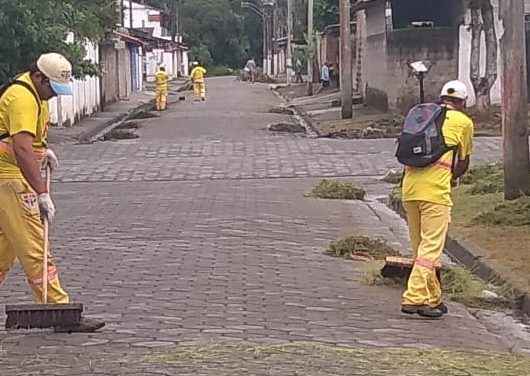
220	32
32	27
326	13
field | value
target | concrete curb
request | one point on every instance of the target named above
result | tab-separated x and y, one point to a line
464	254
99	132
300	116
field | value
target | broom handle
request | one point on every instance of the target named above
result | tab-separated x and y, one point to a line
46	244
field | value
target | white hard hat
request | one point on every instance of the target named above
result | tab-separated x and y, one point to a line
455	89
195	63
59	70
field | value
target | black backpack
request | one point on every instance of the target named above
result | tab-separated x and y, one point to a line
422	142
16	81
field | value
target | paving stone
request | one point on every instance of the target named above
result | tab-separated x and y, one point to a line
199	231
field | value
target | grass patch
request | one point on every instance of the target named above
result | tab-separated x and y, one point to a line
362	247
462	286
485	179
499	230
219	71
371	273
304	358
337	190
509	213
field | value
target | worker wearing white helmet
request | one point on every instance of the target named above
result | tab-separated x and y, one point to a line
24	195
427	201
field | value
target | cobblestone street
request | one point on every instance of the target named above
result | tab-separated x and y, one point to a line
199	232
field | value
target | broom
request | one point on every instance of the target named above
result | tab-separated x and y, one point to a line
400	268
42	316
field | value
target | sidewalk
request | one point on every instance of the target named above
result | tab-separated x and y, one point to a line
90	126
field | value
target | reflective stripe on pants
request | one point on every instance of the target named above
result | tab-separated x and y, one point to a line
428	225
21	237
161	100
199	89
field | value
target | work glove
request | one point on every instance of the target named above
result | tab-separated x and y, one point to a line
46	206
51	160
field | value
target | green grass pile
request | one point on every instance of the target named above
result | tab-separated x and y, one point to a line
337	190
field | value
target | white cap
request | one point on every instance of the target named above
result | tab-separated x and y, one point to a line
59	70
455	89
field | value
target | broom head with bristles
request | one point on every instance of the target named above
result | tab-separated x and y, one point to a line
42	316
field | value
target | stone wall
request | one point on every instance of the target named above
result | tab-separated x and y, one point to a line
437	46
388	82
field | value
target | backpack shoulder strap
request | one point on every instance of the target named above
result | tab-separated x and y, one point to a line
31	90
28	87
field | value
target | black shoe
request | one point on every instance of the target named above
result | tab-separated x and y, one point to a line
431	313
442	307
422	310
84	326
410	309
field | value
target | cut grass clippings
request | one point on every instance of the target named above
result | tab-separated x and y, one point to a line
362	247
509	213
485	179
462	286
304	358
499	229
337	190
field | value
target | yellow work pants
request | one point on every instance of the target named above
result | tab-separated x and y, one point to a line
22	238
428	226
161	99
199	89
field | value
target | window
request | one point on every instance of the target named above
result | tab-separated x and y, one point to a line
425	13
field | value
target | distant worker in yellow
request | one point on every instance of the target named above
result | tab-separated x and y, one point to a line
162	79
198	74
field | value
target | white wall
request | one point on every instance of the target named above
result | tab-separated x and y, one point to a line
157	57
141	13
464	68
86	96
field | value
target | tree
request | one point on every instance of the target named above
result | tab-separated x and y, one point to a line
483	23
326	13
514	101
229	33
32	27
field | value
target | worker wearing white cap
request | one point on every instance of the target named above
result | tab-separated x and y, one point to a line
24	196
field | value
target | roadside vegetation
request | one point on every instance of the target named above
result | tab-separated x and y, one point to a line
500	229
318	359
337	190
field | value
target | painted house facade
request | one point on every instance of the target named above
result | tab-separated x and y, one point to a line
160	49
394	33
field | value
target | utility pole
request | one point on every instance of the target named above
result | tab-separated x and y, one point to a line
310	47
122	13
514	100
272	40
346	60
131	14
265	39
289	38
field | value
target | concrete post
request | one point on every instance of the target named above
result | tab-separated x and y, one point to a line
514	100
310	47
346	60
289	39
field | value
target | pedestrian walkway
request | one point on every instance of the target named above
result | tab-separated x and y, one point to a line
199	232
